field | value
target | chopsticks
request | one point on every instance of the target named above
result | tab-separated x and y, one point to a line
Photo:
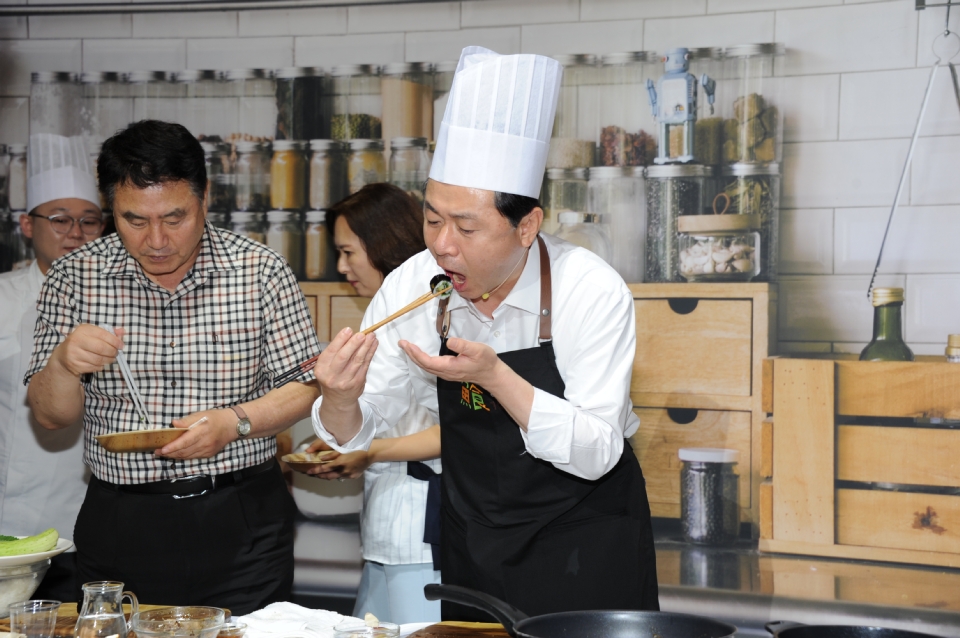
131	384
437	291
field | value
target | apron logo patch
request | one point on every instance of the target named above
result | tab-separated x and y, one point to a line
471	395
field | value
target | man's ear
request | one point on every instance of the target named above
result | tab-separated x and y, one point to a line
529	226
26	226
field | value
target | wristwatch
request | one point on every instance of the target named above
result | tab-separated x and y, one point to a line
243	425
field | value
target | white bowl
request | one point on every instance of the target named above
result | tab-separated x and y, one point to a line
18	582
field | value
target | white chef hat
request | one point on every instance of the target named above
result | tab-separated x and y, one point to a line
59	167
496	128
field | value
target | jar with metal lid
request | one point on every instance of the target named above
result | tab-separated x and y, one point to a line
201	106
251	177
304	103
719	247
106	107
573	141
56	102
248	224
616	194
709	496
221	188
753	123
288	176
672	190
357	102
155	95
587	231
218	220
328	173
285	235
320	257
953	349
255	91
409	164
754	189
17	180
365	164
442	82
624	128
564	189
407	92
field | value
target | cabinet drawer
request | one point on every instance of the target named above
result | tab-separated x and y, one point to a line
691	346
664	431
899	520
346	311
909	456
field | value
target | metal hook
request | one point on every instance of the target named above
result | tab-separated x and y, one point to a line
945	35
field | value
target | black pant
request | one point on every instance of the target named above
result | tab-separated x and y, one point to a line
230	548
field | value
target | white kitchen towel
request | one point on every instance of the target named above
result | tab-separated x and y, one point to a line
286	620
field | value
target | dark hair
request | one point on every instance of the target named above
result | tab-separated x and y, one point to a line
151	152
388	221
514	207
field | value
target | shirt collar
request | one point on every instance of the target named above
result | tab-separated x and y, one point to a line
214	256
525	294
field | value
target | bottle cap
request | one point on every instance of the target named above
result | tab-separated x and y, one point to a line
884	296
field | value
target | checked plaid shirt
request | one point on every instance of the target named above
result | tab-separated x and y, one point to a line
236	321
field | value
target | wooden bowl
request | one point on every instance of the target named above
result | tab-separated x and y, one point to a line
302	461
139	440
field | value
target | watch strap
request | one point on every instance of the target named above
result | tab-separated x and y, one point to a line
239	412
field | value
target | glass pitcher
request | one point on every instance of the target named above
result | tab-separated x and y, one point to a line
101	615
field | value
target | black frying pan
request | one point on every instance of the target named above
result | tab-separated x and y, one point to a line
785	629
584	624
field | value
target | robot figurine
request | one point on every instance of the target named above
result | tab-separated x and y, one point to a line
677	108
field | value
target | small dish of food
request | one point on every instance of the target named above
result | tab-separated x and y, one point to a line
303	461
139	440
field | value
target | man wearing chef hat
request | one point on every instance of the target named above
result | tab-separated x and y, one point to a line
42	476
543	501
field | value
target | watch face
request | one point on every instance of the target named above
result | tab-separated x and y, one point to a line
243	427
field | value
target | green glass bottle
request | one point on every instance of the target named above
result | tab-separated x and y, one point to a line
887	343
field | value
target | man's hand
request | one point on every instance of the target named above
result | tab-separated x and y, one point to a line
342	367
87	349
343	466
204	440
477	362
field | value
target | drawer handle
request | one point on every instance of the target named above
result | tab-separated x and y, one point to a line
682	416
683	305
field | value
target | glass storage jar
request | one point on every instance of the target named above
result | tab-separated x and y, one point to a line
255	91
357	102
616	194
572	144
17	177
56	103
320	257
407	92
155	95
409	164
754	189
203	106
288	176
22	252
709	496
365	164
328	173
625	127
217	158
587	231
6	242
251	177
564	189
106	107
719	247
249	224
708	129
753	122
285	235
442	82
672	190
303	103
4	177
218	220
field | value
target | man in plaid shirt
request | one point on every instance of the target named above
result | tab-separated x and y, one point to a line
207	320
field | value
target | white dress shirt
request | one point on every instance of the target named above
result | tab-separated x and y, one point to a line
594	338
42	476
394	504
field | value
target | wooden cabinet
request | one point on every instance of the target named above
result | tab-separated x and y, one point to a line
333	306
696	381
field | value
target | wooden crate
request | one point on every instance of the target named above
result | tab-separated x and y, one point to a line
853	475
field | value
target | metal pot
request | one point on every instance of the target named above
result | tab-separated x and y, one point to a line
584	624
786	629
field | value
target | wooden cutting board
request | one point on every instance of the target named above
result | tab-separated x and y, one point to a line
452	629
67	618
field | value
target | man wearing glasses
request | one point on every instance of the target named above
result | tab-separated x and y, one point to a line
42	475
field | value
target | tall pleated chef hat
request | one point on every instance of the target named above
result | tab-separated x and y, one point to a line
59	167
496	128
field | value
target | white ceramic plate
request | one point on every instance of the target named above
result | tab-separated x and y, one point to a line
25	559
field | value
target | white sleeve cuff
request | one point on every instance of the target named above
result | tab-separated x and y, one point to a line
549	434
360	441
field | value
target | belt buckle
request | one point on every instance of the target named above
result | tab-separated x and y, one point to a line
213	484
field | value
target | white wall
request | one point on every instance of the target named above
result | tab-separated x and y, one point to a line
854	77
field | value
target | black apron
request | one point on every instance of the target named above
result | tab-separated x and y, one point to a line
518	528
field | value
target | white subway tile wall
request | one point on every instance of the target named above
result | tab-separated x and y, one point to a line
852	83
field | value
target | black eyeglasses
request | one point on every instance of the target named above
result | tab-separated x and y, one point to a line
63	224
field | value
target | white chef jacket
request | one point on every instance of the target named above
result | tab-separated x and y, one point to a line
594	338
394	504
42	476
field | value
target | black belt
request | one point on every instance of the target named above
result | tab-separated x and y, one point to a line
190	486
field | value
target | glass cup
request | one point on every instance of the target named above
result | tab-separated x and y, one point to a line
232	630
34	618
